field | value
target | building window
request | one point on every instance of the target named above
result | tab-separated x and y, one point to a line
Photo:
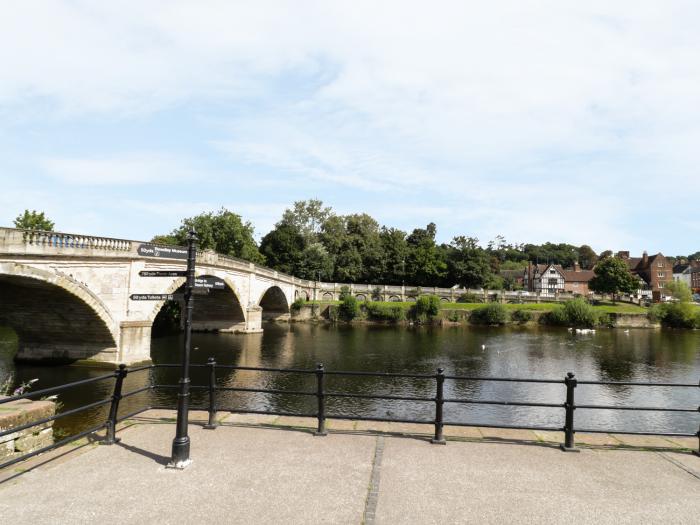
660	264
552	271
661	285
661	274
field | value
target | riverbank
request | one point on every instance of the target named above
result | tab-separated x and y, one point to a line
618	315
273	470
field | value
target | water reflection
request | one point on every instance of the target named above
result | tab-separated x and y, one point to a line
637	355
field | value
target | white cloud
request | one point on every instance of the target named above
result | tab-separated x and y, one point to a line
478	108
129	169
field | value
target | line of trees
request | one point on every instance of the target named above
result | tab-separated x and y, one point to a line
311	241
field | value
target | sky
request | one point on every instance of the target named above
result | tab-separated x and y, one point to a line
538	120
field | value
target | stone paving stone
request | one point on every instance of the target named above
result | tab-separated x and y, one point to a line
291	421
463	432
508	434
644	441
549	436
250	419
340	424
595	439
685	442
373	426
411	428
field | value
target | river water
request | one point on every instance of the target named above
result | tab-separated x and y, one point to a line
547	353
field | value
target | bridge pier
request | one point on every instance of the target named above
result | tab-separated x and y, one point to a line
253	324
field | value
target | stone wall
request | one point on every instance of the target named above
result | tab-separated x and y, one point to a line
17	413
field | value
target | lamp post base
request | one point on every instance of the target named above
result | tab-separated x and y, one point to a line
179	465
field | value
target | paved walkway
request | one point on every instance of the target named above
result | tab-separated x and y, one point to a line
259	470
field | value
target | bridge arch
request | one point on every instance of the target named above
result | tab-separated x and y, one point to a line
56	317
274	303
219	310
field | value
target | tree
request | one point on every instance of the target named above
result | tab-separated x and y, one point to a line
33	220
425	264
395	250
223	232
613	277
468	263
587	257
283	248
315	263
307	217
680	291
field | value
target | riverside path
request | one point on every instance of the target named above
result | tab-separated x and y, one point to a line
266	469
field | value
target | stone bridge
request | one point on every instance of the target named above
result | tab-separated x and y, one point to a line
68	296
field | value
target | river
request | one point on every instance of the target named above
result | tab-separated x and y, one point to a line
610	354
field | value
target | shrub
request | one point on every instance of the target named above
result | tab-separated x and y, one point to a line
349	308
580	313
344	292
521	316
674	315
426	307
576	312
453	316
556	317
382	312
491	314
333	313
298	304
469	297
377	294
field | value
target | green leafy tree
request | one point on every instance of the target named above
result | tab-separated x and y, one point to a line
587	257
315	263
395	250
613	277
283	249
33	220
223	232
307	217
425	263
680	291
469	264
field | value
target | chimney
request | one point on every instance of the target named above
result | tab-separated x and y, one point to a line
577	267
645	259
623	255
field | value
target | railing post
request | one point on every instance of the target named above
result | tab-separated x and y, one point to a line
211	363
111	439
439	438
321	398
569	444
697	452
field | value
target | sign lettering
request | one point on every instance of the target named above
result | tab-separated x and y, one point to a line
167	252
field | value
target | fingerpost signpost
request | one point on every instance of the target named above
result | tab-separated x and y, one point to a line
180	457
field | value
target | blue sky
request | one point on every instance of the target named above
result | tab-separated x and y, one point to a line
538	120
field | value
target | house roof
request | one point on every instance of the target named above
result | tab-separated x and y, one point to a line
680	268
581	276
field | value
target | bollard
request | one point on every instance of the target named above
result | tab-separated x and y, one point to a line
321	398
569	445
439	438
697	452
211	424
110	438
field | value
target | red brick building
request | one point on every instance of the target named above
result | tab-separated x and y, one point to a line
655	270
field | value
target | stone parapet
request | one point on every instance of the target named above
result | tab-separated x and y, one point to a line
17	413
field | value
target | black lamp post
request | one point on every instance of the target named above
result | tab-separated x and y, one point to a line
181	444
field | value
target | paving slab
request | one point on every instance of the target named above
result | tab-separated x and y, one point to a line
685	442
549	436
341	424
250	419
373	426
463	432
598	440
508	434
508	483
293	421
238	475
643	441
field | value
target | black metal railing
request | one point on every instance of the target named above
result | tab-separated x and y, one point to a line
321	394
